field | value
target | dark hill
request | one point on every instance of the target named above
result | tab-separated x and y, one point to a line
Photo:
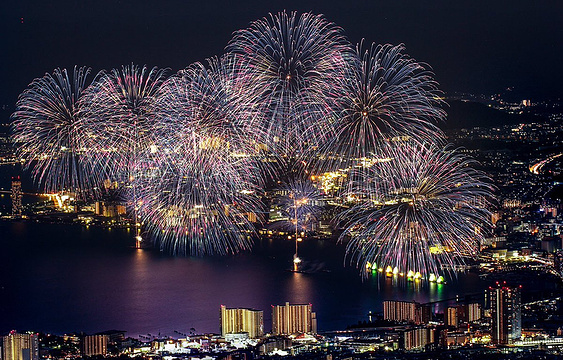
462	114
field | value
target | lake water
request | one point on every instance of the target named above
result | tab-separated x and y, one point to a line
62	278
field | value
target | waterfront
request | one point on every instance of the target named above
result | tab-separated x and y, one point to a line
61	278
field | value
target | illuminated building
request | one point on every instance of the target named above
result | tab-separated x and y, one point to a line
505	313
95	345
473	312
417	338
16	196
456	315
451	316
109	209
274	343
20	346
455	339
237	320
409	311
293	319
399	310
424	314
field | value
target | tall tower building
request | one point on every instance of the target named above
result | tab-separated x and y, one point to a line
239	320
505	313
20	346
16	196
293	319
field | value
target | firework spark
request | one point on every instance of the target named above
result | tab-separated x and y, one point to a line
418	209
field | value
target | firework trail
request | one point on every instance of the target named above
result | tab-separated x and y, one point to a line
200	195
46	130
387	94
300	204
419	209
291	64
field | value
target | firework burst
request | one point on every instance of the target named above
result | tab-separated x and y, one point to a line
119	117
291	64
197	199
387	94
46	129
199	195
420	208
210	101
190	150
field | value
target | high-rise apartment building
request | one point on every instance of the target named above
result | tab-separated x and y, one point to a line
462	314
93	345
16	196
409	311
20	347
505	313
399	310
424	314
473	312
451	316
418	338
238	320
293	319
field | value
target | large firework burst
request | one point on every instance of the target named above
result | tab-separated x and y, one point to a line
420	208
291	64
199	194
197	198
189	149
210	101
386	94
119	117
46	129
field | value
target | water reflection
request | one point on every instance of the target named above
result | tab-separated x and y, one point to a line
300	287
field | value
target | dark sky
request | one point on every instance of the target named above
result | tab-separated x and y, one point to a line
473	46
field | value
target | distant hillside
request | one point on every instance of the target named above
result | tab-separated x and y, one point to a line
471	114
460	115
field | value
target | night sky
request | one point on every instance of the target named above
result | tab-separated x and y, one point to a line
472	46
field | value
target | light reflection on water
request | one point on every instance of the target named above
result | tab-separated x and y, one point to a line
300	288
